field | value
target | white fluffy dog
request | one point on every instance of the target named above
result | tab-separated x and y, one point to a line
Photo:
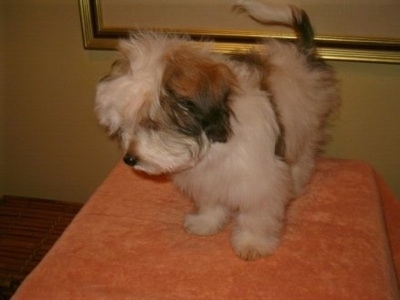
238	134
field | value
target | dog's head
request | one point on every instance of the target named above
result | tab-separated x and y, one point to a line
167	100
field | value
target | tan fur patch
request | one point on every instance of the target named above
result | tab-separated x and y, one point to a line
192	76
196	93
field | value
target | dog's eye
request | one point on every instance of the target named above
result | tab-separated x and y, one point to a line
186	105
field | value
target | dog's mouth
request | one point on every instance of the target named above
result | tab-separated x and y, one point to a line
135	163
141	166
164	156
152	168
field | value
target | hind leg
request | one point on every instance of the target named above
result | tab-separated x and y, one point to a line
302	169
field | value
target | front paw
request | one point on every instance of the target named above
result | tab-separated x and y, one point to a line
202	224
252	246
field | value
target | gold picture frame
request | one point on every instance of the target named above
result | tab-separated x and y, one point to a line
344	47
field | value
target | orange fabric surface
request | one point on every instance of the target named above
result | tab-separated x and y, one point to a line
128	243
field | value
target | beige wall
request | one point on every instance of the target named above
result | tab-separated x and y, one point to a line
369	125
53	147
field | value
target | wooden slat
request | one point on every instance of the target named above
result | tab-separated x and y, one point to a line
28	229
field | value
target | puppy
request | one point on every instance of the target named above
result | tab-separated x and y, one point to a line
238	134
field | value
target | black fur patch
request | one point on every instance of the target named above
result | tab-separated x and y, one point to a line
304	31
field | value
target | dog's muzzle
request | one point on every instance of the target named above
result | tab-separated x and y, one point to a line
130	160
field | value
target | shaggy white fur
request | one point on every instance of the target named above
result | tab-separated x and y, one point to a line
238	135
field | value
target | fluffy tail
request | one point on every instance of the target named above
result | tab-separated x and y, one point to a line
281	14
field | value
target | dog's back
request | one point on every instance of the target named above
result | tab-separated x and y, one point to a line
301	85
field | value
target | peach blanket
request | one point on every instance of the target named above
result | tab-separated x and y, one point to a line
128	243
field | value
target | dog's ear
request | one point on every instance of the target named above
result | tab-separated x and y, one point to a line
202	88
215	99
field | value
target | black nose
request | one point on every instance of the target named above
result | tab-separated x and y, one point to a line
130	160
